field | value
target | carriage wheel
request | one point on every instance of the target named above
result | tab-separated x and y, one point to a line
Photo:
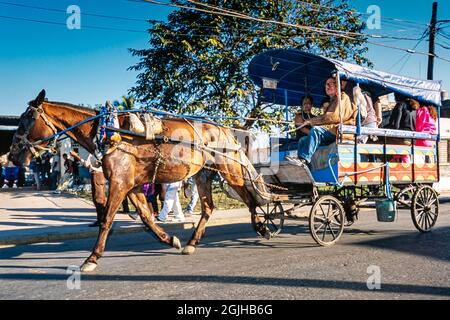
271	218
326	221
425	208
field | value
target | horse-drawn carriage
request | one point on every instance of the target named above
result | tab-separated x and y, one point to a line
171	148
346	174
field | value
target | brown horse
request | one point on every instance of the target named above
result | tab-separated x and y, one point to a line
185	149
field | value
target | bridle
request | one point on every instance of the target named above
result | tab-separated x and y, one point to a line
36	149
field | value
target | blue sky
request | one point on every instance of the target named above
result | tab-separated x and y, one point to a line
89	66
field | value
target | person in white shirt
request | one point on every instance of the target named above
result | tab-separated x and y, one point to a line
172	203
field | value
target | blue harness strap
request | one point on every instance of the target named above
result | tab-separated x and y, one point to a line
107	119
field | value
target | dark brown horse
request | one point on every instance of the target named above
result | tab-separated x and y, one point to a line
185	150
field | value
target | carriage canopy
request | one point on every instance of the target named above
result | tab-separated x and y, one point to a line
288	74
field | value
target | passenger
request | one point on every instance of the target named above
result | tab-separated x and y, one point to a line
363	100
378	110
426	122
403	117
324	128
370	117
303	115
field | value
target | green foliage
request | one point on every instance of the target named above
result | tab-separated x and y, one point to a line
127	103
197	62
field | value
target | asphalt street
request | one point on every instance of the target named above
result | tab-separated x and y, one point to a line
233	263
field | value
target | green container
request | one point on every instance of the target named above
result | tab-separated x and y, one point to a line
386	210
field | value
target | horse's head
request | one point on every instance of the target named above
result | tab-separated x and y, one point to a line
33	126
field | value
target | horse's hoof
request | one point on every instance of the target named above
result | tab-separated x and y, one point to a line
188	250
176	243
88	267
267	235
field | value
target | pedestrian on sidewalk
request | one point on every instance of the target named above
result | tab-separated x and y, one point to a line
97	184
67	178
2	176
75	169
35	166
46	169
150	192
172	203
193	195
54	176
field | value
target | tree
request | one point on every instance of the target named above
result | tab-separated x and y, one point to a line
197	61
127	103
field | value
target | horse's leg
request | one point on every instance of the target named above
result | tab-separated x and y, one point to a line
117	192
98	195
139	200
204	188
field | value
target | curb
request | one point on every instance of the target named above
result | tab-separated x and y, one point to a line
57	237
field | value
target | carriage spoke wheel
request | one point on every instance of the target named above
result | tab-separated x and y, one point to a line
326	221
271	217
425	208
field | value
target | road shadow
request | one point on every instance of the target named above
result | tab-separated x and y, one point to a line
242	280
434	245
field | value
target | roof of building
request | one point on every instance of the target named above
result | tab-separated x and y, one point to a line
9	120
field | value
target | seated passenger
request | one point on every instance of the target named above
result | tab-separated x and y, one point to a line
426	122
403	117
303	115
363	100
368	116
324	128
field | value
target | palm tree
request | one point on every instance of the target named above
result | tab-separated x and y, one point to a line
127	102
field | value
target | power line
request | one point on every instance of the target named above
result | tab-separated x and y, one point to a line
64	11
245	16
413	24
341	34
407	55
444	34
125	30
443	46
364	13
63	24
108	16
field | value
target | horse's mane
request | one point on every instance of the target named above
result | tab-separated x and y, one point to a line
74	106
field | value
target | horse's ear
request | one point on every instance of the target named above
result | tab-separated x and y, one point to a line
40	98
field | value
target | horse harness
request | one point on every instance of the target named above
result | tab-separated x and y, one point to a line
37	112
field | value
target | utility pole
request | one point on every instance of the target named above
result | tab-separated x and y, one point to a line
432	41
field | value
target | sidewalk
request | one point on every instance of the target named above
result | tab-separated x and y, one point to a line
30	217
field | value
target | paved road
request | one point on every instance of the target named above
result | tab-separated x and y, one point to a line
234	264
